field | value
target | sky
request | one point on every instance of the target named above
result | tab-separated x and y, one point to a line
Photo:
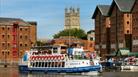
49	14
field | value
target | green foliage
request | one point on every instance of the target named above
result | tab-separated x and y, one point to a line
79	33
39	43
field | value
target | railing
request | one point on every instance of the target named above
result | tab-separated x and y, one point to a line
22	62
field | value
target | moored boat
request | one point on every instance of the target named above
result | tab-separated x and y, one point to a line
40	61
130	64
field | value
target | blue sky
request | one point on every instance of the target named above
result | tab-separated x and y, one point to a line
49	14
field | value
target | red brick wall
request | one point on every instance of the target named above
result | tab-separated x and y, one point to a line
117	29
6	41
101	25
135	27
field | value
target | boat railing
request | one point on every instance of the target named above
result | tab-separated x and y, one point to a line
22	62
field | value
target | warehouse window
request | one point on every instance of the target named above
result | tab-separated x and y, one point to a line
3	53
127	22
21	45
20	29
8	53
3	44
8	28
8	44
3	36
25	45
20	36
127	31
3	28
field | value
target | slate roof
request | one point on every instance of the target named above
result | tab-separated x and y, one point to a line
103	9
125	5
90	31
10	21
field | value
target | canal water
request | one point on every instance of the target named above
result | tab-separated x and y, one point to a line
13	72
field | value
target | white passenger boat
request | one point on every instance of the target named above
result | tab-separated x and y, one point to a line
130	64
72	62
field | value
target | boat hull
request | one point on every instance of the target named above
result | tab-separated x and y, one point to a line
129	67
24	68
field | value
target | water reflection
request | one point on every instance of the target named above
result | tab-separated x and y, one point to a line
120	74
54	75
13	72
9	72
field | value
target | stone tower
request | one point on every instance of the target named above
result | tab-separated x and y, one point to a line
72	18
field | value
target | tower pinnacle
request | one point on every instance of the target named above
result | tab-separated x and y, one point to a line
72	18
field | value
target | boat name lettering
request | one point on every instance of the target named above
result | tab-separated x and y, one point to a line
74	63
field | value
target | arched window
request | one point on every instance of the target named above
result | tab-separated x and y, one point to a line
127	22
127	31
21	45
25	45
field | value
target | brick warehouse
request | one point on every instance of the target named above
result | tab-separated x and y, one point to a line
135	27
102	27
16	36
123	25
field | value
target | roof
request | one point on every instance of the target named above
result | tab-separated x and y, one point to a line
103	9
133	54
32	22
123	5
121	52
90	31
10	21
124	51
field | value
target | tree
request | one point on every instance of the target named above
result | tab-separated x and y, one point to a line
39	43
79	33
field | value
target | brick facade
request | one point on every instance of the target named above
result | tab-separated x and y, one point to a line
25	38
102	27
135	27
121	26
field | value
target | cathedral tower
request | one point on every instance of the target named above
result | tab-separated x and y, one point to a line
72	18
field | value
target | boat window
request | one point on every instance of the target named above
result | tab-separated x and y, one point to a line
45	64
48	64
33	65
60	64
63	64
39	64
52	64
56	64
36	65
42	64
55	50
